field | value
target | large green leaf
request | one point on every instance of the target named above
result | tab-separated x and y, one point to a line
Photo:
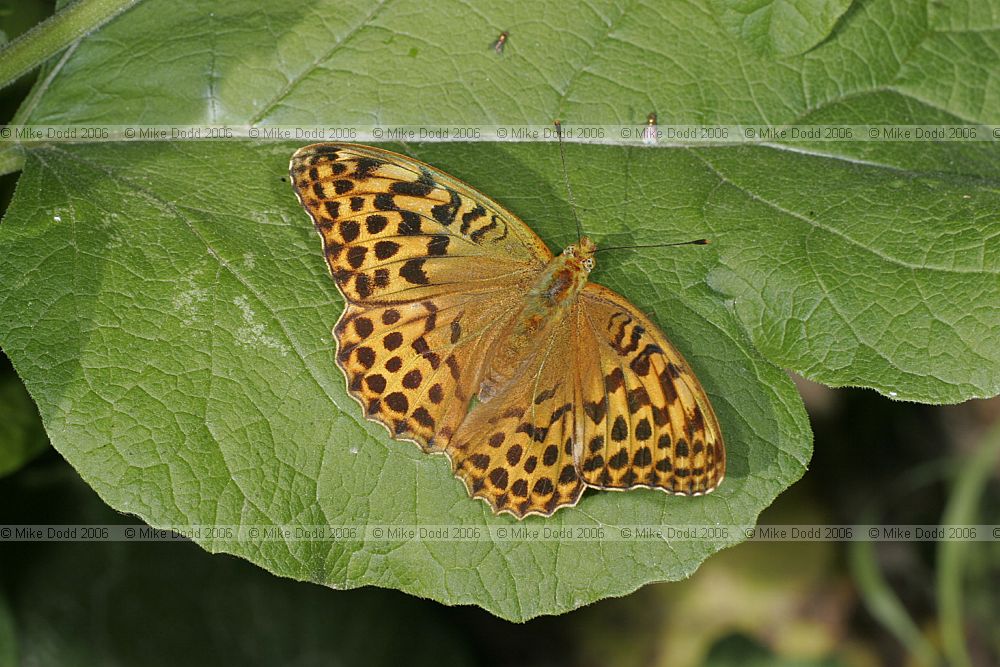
169	310
173	322
168	603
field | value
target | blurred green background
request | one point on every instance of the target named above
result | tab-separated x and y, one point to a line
820	603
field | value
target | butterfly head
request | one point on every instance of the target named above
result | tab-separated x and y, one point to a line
583	251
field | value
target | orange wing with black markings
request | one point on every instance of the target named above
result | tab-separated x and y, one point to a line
430	270
517	450
645	419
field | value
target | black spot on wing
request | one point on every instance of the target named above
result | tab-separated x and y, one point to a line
558	413
349	230
619	460
445	213
356	255
363	286
545	395
413	272
595	410
640	364
438	245
471	216
364	167
410	223
386	249
411	188
385	202
376	223
477	235
619	431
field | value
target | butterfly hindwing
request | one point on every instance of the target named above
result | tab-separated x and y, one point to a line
415	366
516	450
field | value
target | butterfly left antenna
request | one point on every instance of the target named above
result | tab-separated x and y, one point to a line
569	188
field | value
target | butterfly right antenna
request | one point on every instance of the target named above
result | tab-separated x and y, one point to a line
569	189
653	245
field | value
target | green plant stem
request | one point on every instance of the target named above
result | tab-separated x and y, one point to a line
54	34
885	606
881	601
961	509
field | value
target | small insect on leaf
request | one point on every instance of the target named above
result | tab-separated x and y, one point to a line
500	42
649	133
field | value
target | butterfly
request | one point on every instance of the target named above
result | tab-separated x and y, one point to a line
463	333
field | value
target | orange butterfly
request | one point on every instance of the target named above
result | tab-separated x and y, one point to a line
452	302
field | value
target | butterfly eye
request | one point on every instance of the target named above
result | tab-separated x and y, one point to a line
588	264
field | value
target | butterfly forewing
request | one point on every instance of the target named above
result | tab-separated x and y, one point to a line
394	229
645	420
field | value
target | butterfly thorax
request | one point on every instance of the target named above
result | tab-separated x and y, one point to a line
546	304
